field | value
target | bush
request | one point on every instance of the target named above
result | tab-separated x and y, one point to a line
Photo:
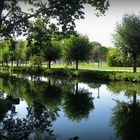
36	60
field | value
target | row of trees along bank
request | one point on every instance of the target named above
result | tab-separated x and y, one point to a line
33	19
75	48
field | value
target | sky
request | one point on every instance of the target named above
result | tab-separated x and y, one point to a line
101	28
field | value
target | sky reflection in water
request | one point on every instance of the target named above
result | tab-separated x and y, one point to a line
74	109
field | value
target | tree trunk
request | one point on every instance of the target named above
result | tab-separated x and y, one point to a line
98	63
134	63
7	63
12	63
2	63
49	64
26	62
134	97
17	63
101	62
76	64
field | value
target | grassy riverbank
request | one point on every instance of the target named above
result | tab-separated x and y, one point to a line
81	73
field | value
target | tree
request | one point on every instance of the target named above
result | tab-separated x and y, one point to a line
12	50
115	57
18	51
98	53
42	40
25	55
125	119
126	114
127	37
14	17
8	51
36	60
52	52
4	52
77	104
76	48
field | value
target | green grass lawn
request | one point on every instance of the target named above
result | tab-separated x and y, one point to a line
91	66
86	70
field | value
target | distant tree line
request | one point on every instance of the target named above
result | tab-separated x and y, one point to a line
37	50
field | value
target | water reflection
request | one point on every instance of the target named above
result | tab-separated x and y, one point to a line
95	85
45	100
36	125
74	104
77	105
125	118
7	103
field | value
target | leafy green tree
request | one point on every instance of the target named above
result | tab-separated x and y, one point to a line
115	57
14	17
36	60
52	52
18	51
25	54
12	50
4	52
98	53
77	48
127	37
42	36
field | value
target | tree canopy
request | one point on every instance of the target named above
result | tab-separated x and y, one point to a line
127	37
15	17
77	48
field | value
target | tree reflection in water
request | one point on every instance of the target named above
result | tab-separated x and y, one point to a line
78	105
126	115
36	125
44	101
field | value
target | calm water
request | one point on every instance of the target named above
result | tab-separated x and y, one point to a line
47	108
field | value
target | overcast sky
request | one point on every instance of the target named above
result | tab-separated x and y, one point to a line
101	28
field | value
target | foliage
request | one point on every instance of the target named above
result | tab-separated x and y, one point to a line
5	105
15	18
42	42
77	106
77	103
4	51
126	87
98	52
127	37
52	52
76	48
36	60
52	97
125	120
114	57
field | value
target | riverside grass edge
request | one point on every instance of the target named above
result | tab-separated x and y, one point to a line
73	73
